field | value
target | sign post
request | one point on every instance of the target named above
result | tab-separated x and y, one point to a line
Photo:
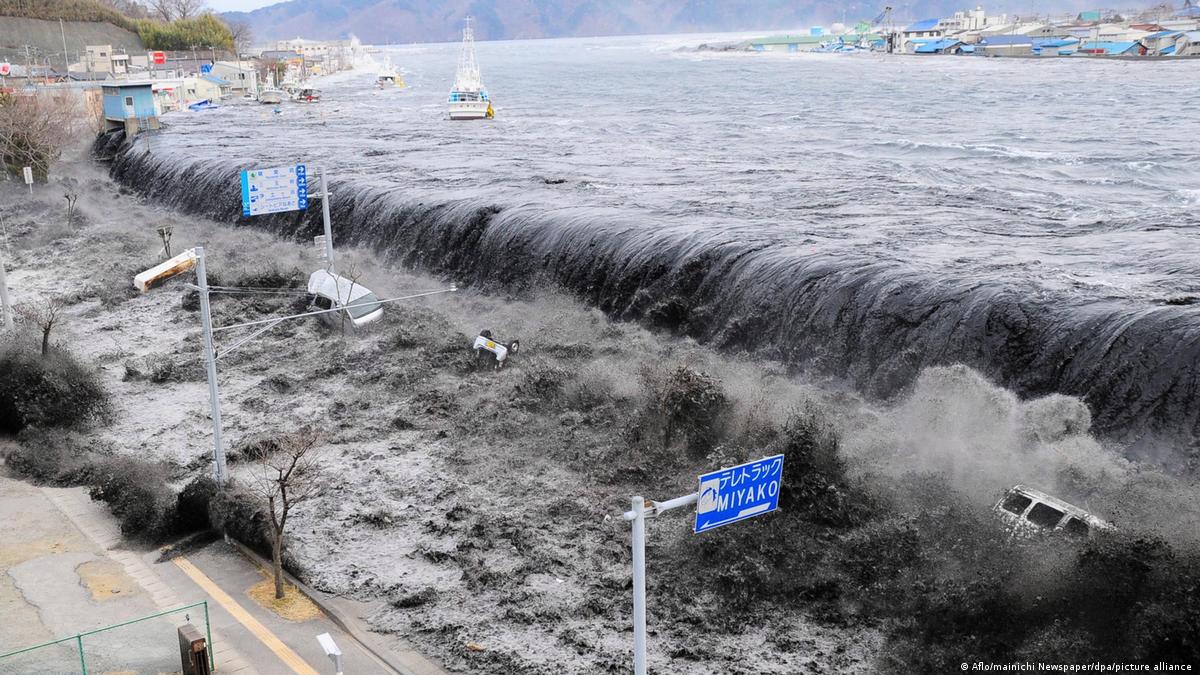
724	497
28	173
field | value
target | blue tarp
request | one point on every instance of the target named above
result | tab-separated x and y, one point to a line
923	26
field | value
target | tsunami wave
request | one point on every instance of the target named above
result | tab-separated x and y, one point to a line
867	317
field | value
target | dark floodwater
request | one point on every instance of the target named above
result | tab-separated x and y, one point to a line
863	215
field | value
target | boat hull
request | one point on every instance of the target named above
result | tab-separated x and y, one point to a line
468	110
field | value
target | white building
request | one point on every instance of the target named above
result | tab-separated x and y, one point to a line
242	78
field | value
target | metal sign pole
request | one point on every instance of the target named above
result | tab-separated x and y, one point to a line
4	299
637	515
328	227
638	508
210	362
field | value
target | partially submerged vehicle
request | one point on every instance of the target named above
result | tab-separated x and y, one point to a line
1027	511
485	344
358	304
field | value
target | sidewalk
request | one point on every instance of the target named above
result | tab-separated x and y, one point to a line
57	546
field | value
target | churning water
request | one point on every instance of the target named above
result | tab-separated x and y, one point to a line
866	216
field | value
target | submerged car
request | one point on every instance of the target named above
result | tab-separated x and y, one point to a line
330	291
1027	511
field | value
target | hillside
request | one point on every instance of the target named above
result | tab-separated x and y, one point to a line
382	21
45	39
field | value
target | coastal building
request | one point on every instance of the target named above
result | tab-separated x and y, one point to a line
1055	46
1187	44
1101	48
129	105
213	88
1005	45
785	43
942	46
242	78
929	29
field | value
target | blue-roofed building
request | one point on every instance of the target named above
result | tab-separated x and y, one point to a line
1055	46
129	105
1187	44
1108	49
943	46
1158	44
213	88
929	29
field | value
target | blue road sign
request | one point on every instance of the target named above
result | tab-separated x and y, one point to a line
205	68
738	493
283	188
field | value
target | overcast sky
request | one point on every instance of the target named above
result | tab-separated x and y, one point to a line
239	5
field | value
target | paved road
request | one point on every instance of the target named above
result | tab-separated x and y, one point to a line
67	570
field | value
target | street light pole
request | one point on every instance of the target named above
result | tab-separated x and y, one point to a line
210	363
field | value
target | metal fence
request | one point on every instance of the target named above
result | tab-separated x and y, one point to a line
145	645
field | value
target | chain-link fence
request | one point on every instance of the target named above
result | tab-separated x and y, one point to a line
149	644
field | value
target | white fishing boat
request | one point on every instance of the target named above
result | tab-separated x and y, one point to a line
388	75
469	100
271	95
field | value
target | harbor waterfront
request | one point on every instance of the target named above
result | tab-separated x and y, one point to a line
1030	220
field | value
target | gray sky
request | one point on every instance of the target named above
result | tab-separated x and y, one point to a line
239	5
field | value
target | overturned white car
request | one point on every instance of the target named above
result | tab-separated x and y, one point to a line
485	345
358	304
1027	511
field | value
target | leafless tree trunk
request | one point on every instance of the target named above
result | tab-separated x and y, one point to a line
71	198
186	9
289	477
43	314
34	129
243	36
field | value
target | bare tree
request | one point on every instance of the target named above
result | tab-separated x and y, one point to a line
288	477
172	10
34	129
44	314
71	198
162	9
243	36
187	9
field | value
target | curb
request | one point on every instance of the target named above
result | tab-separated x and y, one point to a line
406	662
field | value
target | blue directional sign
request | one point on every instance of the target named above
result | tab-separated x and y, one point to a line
283	188
738	493
205	68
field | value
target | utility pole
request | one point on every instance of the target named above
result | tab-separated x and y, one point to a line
66	59
210	362
325	215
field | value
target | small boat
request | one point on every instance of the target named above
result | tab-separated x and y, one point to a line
202	104
270	96
388	75
308	95
469	100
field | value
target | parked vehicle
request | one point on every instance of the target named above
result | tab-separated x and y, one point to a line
1026	511
330	291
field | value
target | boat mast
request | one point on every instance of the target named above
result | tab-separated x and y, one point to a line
468	78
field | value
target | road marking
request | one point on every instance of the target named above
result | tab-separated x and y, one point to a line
264	635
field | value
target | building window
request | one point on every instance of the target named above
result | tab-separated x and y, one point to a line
129	101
